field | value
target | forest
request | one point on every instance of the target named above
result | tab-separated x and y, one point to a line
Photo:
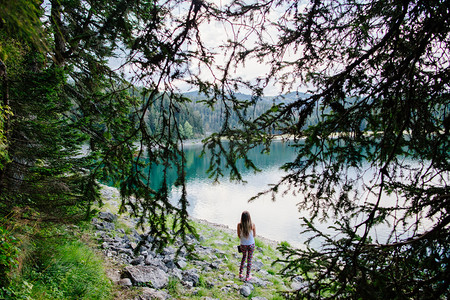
360	85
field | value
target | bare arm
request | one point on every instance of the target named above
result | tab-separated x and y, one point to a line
254	230
239	230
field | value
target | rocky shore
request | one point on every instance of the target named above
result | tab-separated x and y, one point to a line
141	273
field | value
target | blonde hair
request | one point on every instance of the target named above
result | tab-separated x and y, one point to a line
246	223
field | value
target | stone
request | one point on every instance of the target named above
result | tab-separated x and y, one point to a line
215	264
245	291
138	260
191	276
107	216
297	285
106	226
126	251
149	293
156	262
133	245
181	263
125	282
257	265
220	243
146	275
258	282
170	264
168	251
177	274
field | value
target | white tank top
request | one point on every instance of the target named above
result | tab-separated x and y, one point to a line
249	240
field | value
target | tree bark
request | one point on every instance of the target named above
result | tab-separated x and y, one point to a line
58	33
7	118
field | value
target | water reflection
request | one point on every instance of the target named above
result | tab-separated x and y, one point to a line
223	203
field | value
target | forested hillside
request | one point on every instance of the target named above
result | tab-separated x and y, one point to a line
212	117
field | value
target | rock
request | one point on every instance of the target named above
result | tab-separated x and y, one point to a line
125	282
105	226
297	285
245	291
177	274
126	251
257	265
215	264
191	276
181	264
170	264
143	275
156	262
220	243
138	260
259	298
133	245
149	293
107	216
168	251
258	282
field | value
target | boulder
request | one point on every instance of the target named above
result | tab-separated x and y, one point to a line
191	276
125	282
245	290
146	275
138	260
107	216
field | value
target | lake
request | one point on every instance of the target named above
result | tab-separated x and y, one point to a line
223	203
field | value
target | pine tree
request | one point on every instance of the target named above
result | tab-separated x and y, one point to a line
378	74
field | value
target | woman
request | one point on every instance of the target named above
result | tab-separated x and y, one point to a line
246	232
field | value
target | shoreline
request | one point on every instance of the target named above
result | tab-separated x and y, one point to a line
111	203
231	231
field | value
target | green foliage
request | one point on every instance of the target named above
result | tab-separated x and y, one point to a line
71	271
173	286
379	94
382	123
60	267
285	244
9	252
4	112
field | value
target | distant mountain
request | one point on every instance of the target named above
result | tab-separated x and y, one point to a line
212	120
286	98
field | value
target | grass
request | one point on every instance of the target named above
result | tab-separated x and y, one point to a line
225	278
57	263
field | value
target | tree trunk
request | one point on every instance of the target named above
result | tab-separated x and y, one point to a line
58	33
7	118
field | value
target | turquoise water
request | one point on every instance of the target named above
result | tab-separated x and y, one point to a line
223	203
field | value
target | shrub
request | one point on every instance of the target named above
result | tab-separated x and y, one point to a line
9	251
69	270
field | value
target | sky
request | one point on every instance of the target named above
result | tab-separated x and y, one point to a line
216	33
